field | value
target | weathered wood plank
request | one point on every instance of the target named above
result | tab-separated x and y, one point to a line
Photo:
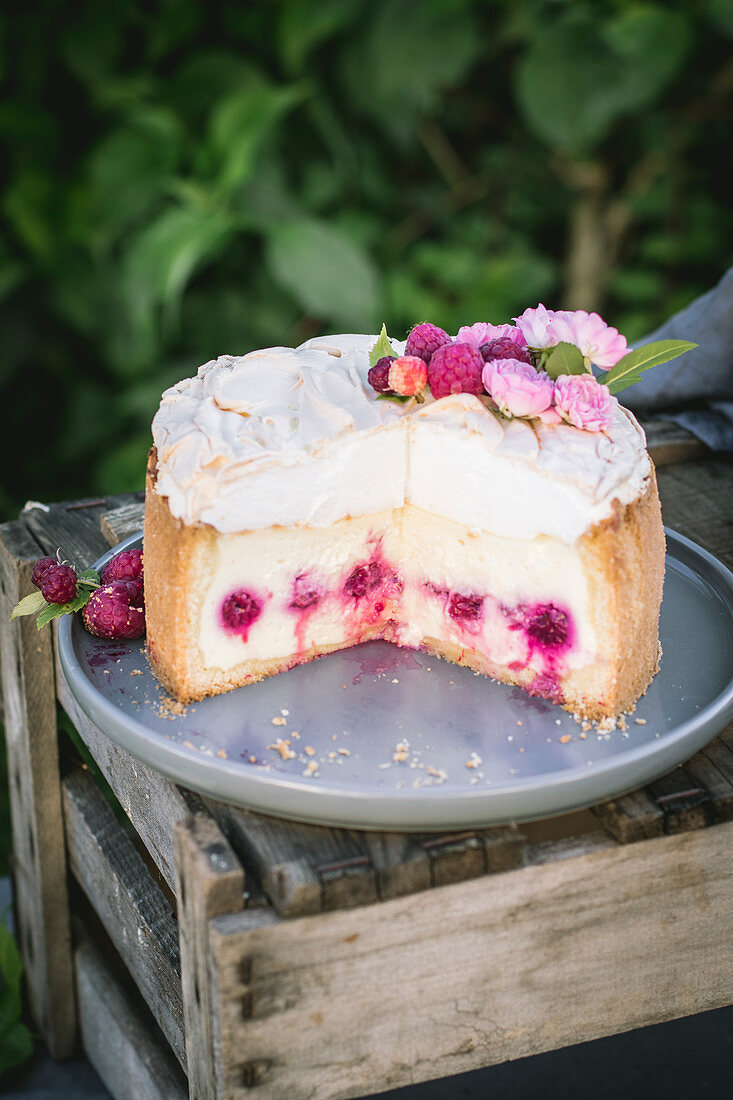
119	523
120	1037
136	916
696	501
708	770
71	527
667	443
210	882
41	896
339	1006
684	802
153	803
632	817
302	868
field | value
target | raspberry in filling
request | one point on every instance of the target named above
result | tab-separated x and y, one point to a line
363	579
465	609
305	593
549	626
239	611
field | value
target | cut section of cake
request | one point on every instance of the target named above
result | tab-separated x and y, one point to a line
289	513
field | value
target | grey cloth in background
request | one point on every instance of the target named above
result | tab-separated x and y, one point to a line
696	390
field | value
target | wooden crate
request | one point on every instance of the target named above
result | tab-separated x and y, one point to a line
196	948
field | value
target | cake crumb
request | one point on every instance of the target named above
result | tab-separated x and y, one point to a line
136	672
621	722
309	750
640	721
278	721
283	747
565	738
344	752
222	754
334	737
583	735
284	711
474	760
253	759
311	769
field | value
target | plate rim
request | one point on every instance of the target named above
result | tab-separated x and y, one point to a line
479	807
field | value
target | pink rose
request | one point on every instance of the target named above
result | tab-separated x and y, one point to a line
535	327
598	342
584	402
482	332
517	388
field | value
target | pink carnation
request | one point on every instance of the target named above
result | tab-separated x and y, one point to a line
517	388
535	327
482	332
598	342
584	402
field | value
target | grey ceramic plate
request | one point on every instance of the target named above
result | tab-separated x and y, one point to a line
473	752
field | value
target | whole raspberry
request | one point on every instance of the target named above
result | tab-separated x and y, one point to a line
425	339
58	584
408	375
455	368
240	610
505	348
379	374
40	568
125	566
111	613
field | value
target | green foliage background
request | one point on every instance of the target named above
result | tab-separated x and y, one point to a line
184	182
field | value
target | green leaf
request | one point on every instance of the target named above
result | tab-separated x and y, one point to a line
11	972
628	370
240	124
327	273
564	359
16	1045
29	605
381	348
55	610
581	74
398	398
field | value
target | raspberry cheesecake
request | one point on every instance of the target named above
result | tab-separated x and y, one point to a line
479	515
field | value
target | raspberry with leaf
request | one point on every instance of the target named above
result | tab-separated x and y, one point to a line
40	568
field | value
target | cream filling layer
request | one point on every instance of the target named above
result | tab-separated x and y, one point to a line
434	559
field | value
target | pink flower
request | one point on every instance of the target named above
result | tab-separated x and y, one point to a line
584	402
517	388
598	342
534	325
482	332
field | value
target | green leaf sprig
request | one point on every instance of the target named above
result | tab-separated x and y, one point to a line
381	348
87	581
628	370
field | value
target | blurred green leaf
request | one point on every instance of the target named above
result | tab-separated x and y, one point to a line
162	259
304	25
16	1044
580	75
327	273
241	122
409	53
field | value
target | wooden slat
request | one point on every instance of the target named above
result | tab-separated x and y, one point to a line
667	443
684	802
35	799
696	501
632	817
153	803
486	971
72	528
121	522
120	1038
132	908
210	882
